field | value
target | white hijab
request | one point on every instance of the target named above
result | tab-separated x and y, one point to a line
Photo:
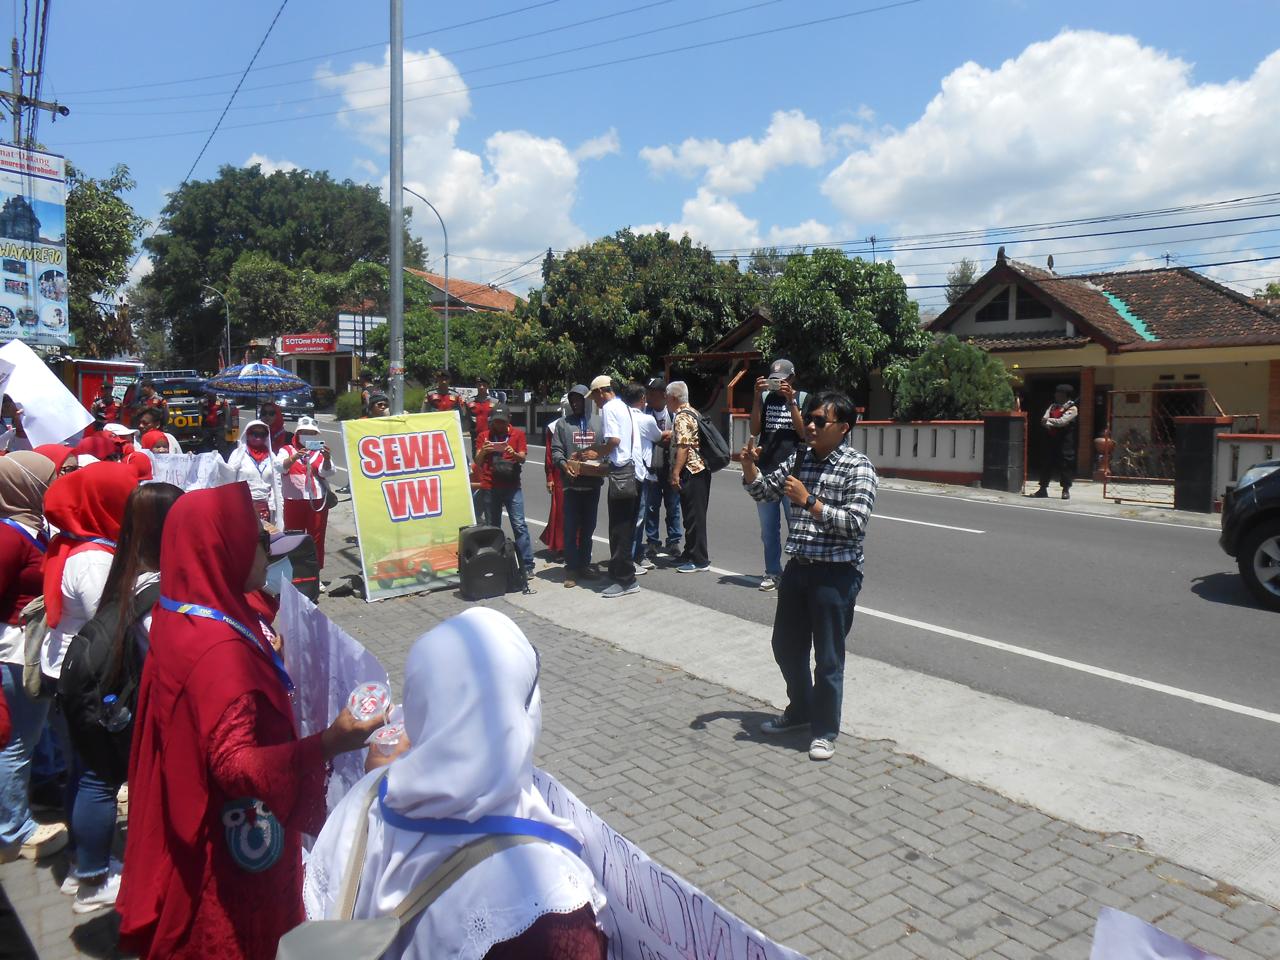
240	459
473	712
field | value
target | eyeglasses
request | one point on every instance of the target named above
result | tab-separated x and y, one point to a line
819	421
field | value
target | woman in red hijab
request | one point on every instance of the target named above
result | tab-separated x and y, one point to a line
221	787
63	457
157	441
100	446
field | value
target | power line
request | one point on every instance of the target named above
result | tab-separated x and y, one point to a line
323	56
756	34
409	60
474	70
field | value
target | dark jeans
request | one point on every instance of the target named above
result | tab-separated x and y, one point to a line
93	824
815	611
513	499
659	496
1060	459
580	510
622	531
695	494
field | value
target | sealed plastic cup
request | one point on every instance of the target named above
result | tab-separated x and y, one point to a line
387	739
369	700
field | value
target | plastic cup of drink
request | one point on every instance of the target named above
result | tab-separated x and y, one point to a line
369	700
387	739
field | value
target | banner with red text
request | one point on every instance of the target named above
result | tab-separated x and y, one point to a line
412	493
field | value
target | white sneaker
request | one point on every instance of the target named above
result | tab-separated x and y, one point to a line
646	563
641	570
96	896
71	885
768	583
821	749
48	839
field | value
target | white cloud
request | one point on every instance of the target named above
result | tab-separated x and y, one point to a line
792	139
515	198
141	268
597	147
720	224
1083	123
268	165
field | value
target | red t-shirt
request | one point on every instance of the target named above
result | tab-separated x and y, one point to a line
515	436
480	410
444	401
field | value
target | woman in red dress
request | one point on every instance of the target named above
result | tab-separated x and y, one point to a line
553	532
221	787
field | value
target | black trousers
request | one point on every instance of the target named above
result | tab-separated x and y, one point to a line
622	532
1060	459
695	495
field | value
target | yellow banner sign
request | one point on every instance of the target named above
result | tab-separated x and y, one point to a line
411	493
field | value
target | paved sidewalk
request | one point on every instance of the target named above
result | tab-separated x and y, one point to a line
874	854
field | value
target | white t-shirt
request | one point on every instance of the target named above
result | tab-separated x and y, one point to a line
650	434
83	578
618	421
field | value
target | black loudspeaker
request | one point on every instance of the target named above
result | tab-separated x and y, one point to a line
484	562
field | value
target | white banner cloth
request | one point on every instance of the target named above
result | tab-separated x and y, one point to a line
1122	936
50	412
652	912
326	664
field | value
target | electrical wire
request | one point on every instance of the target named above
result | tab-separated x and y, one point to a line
470	72
567	71
322	56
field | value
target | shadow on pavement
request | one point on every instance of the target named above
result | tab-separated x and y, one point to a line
12	934
749	721
1225	588
98	936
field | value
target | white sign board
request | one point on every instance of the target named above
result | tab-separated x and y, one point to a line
50	412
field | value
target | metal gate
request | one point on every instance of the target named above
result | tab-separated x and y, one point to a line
1138	447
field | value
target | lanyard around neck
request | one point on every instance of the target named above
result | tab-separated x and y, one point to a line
100	541
37	542
209	613
444	826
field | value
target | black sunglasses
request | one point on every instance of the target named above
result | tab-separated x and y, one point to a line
819	421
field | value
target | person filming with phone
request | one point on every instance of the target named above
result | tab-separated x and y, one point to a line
830	490
501	451
306	465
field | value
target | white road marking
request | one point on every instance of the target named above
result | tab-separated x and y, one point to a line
1053	510
1087	668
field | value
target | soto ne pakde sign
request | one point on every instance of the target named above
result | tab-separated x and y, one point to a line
412	493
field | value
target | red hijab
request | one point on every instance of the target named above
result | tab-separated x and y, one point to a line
98	445
56	452
83	505
152	437
195	670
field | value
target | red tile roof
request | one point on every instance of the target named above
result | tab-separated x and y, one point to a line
478	295
1029	341
1166	309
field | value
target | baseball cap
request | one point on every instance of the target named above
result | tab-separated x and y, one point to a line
580	389
655	383
499	412
782	369
602	382
379	398
119	429
284	543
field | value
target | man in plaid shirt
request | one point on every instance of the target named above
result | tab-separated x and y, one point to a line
831	489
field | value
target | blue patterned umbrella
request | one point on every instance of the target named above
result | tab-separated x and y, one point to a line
254	380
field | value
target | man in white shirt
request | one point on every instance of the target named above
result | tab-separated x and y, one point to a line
621	449
651	435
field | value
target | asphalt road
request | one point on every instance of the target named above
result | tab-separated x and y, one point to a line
1141	628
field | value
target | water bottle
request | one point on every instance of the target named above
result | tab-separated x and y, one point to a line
115	715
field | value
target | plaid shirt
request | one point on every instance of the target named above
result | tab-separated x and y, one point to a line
846	484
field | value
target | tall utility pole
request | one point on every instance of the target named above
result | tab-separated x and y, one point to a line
446	271
16	101
395	362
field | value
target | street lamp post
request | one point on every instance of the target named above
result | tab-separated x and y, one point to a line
228	311
445	230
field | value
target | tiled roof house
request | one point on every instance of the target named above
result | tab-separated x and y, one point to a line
1133	342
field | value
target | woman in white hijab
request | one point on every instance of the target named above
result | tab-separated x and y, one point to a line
473	712
253	461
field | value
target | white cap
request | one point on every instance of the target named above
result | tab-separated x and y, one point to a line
602	383
306	423
120	429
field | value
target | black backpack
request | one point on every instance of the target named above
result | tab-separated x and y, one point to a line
83	683
712	445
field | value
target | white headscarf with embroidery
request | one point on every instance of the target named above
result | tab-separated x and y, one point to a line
473	712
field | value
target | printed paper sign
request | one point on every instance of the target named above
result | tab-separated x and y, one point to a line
652	912
50	412
411	492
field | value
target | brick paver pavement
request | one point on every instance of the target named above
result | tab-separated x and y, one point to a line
873	854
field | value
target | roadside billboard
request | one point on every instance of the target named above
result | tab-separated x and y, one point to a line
411	491
33	247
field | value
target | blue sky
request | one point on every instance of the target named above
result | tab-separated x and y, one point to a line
931	116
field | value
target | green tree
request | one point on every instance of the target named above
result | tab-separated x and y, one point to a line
1270	292
952	380
294	232
619	305
837	319
767	263
101	232
960	278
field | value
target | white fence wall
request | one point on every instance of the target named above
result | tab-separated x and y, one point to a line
1237	452
949	451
